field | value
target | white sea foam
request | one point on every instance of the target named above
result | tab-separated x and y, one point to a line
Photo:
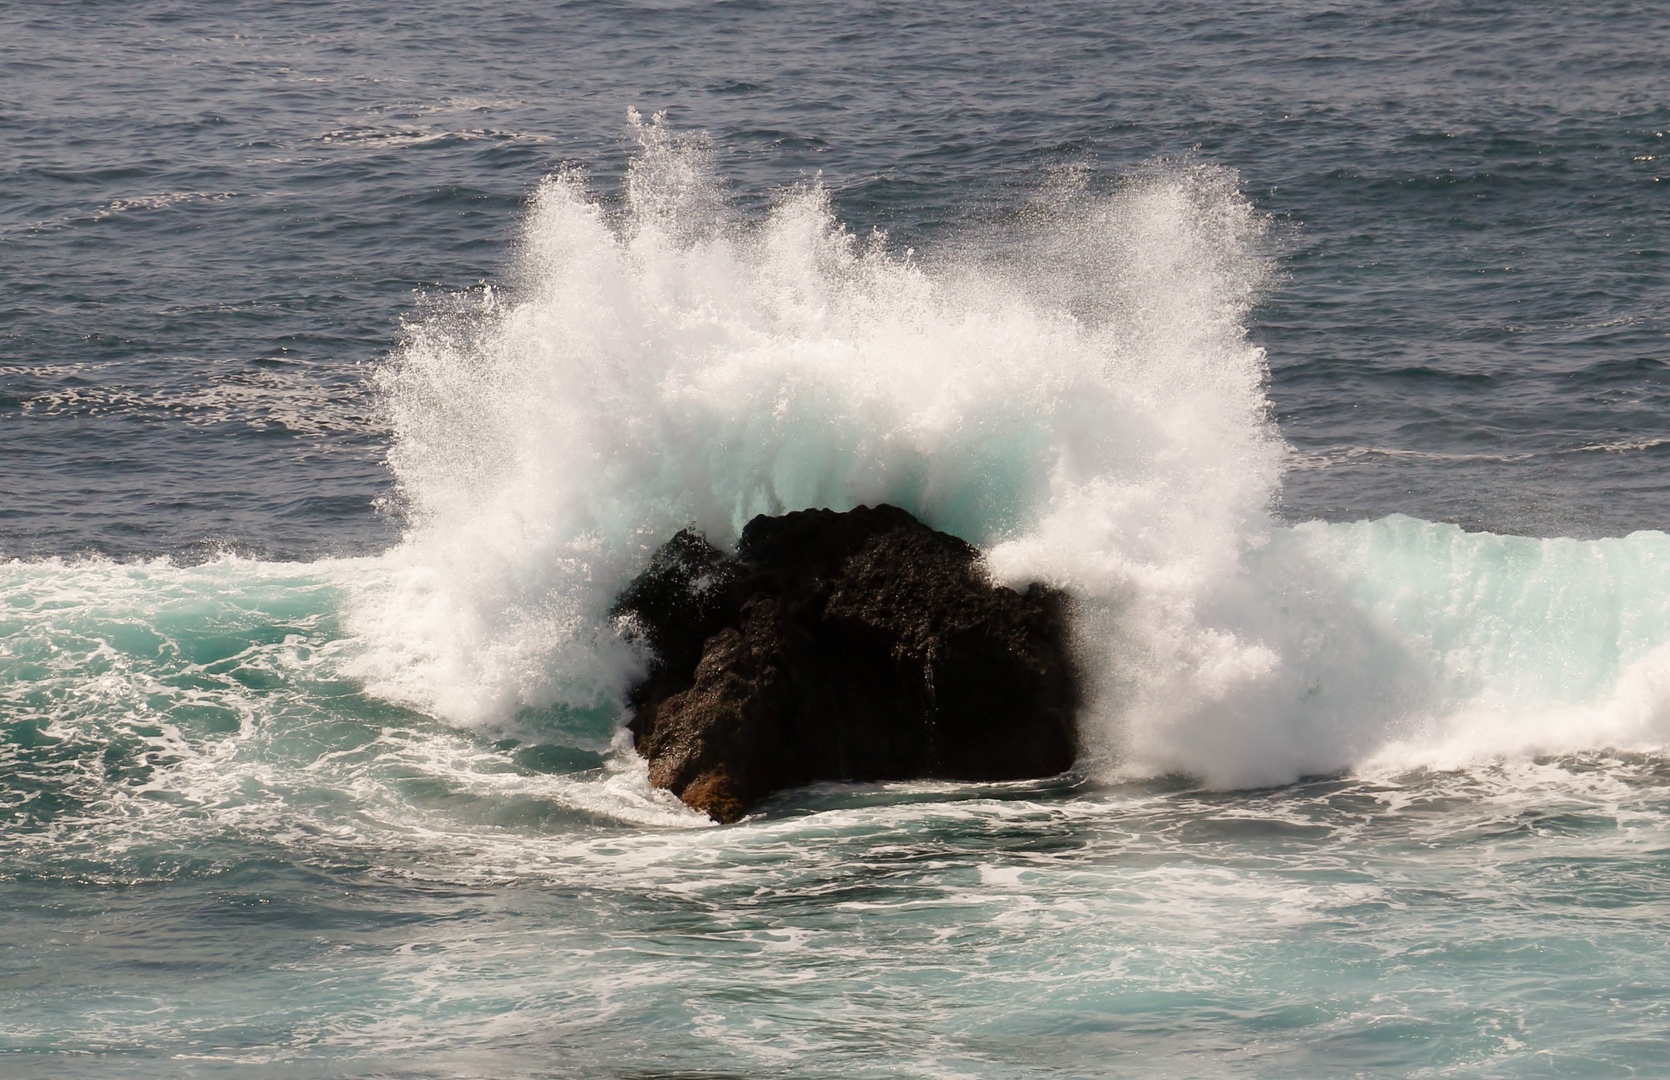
666	366
1076	395
1399	643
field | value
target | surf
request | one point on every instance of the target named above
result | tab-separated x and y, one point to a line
1070	387
1073	390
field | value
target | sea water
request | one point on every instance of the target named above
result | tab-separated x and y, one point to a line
356	355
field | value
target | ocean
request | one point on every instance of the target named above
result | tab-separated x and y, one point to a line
354	355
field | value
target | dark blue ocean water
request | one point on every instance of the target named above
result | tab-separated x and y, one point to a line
298	780
215	217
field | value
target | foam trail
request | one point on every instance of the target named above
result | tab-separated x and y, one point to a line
1077	396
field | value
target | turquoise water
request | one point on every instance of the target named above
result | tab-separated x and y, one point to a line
224	857
1502	923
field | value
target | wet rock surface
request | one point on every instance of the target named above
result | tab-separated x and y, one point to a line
843	646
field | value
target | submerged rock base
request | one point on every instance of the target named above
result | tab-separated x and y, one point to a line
843	646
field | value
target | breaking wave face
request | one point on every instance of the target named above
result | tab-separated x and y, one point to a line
1075	394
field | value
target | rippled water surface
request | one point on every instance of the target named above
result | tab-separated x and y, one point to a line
214	215
352	354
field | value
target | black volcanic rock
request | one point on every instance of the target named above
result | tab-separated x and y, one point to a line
843	646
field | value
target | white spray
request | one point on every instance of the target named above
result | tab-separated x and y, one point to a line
1078	397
